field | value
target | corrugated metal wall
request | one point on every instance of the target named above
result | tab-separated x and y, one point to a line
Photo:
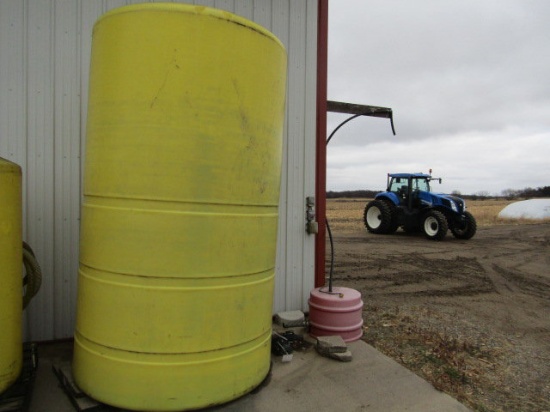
44	66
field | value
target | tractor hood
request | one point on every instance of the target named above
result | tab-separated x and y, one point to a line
453	202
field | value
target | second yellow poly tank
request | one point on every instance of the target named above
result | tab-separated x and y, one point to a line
11	290
179	217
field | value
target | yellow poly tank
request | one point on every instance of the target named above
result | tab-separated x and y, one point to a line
179	217
11	292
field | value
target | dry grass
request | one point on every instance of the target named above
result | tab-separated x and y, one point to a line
462	366
347	214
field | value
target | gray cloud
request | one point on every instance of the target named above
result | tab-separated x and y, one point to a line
450	70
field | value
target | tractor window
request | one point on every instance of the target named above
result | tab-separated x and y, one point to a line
397	184
421	184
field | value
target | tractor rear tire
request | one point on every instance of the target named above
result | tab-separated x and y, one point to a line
435	225
466	229
393	213
378	217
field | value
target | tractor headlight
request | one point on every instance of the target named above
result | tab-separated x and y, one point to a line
453	206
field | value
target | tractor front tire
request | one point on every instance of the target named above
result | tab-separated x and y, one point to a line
378	217
435	225
465	229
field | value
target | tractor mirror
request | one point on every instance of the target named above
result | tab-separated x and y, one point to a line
398	180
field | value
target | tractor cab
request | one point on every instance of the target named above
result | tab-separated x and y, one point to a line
409	189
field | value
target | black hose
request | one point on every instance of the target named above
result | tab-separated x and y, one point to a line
331	256
341	124
326	220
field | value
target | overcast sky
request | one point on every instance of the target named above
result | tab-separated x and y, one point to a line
468	82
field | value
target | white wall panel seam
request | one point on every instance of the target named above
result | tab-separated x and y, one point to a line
49	170
286	224
227	5
296	217
13	142
38	172
30	147
263	14
281	28
245	9
66	174
310	155
25	116
8	61
57	172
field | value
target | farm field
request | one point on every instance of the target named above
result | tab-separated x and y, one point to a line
470	316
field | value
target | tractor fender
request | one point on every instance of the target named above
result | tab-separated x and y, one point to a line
392	197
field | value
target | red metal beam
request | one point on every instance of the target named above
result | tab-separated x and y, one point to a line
321	164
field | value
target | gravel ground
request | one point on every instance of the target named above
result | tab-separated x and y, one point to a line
472	317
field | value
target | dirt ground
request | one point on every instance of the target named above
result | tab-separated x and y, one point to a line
472	317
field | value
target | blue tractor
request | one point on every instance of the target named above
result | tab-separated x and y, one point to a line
409	203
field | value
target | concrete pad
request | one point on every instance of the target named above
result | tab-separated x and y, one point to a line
310	382
371	382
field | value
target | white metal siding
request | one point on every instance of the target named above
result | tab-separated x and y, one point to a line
44	66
